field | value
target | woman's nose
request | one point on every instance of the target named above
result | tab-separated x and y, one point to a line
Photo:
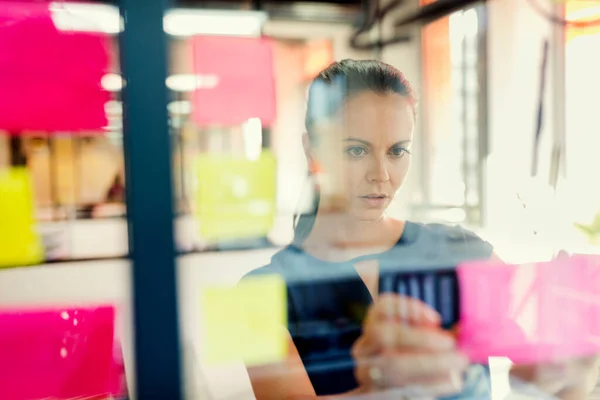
378	171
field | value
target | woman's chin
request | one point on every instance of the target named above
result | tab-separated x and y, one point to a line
369	215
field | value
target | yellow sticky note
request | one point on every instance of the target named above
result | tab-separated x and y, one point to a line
247	322
19	242
235	197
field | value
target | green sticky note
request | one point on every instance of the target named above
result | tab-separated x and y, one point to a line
20	243
247	322
235	197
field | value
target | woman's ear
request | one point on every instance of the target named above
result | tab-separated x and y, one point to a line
313	166
306	145
307	151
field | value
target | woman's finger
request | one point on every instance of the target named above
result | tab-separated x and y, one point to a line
387	335
412	366
401	308
559	376
427	370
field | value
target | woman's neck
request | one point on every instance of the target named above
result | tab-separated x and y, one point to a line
340	236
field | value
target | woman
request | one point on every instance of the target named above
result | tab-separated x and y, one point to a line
360	122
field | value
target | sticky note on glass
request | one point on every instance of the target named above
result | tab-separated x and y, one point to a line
235	197
20	243
247	322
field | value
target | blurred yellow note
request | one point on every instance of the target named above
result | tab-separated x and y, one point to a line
247	322
235	197
19	242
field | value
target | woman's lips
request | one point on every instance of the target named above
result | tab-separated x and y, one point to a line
374	201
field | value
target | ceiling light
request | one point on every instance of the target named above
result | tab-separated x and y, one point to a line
112	82
191	82
80	17
190	22
178	83
89	17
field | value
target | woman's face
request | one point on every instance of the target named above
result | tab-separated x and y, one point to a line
365	153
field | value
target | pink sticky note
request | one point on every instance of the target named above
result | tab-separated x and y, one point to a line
236	80
57	353
50	79
530	313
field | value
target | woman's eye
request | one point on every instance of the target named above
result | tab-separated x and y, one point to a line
356	151
398	151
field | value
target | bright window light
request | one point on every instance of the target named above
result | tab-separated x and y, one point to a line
252	133
87	17
584	14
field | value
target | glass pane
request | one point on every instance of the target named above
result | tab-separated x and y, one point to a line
295	215
65	294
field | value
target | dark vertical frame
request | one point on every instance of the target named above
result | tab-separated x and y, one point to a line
148	169
182	199
482	109
266	138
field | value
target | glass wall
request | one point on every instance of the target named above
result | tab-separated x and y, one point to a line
194	207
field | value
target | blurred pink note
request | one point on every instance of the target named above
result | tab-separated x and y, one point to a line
50	79
59	353
236	80
530	313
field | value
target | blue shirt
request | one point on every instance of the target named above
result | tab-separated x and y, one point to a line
327	301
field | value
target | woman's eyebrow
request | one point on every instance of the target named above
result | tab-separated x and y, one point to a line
350	139
402	142
366	143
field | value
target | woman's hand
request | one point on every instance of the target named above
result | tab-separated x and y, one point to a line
403	346
568	380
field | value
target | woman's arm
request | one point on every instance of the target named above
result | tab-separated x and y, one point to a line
287	380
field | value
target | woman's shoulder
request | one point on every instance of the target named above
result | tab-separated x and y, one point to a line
296	266
420	244
450	233
288	263
439	243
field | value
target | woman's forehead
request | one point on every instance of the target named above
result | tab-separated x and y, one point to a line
378	117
